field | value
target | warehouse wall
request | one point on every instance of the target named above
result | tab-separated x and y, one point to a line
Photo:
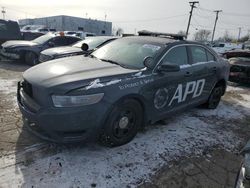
69	23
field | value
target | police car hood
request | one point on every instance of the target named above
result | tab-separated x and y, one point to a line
18	43
61	50
72	69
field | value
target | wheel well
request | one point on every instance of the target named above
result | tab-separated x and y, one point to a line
223	84
138	99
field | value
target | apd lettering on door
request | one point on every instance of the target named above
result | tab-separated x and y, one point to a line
194	88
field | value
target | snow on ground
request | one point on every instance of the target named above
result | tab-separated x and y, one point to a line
8	87
186	134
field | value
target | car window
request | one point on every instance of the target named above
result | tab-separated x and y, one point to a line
60	41
71	40
198	54
176	56
210	57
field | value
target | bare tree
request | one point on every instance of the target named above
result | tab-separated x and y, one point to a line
181	32
226	37
202	35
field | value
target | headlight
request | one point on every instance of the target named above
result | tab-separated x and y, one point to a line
74	101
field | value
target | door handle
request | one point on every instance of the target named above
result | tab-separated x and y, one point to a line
188	74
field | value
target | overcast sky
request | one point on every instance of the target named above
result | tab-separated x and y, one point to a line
131	15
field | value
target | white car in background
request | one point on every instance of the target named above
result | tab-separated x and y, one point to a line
221	48
80	34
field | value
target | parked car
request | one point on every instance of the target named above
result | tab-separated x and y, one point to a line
119	88
80	34
76	49
240	65
243	177
9	30
29	50
221	47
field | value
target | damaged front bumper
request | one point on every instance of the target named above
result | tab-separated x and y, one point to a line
61	125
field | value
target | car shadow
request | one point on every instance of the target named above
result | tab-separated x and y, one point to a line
13	65
37	149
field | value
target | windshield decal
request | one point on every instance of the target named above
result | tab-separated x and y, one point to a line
96	84
136	84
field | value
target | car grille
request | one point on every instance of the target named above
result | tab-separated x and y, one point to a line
43	58
27	88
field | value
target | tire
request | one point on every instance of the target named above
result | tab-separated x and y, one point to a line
214	98
122	124
31	58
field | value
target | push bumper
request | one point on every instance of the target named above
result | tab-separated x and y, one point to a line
62	125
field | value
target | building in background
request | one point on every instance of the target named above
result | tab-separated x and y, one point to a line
70	23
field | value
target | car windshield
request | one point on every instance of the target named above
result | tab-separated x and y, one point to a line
43	39
92	42
129	52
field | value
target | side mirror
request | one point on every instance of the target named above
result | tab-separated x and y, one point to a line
84	47
51	44
148	62
168	67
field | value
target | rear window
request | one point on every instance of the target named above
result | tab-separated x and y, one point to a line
198	54
210	57
177	56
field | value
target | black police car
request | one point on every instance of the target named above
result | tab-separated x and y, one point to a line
30	50
75	49
120	87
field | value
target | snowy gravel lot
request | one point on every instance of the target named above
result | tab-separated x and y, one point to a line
41	164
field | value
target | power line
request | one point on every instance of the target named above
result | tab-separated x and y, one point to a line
236	14
149	20
225	13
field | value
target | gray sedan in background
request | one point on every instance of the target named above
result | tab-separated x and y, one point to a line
76	49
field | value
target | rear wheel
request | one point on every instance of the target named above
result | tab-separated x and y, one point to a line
214	98
31	58
122	123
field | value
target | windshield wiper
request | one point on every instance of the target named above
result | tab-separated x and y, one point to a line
110	61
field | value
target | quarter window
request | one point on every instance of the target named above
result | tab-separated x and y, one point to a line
176	56
198	54
210	57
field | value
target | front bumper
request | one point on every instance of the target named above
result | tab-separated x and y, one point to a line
10	55
62	125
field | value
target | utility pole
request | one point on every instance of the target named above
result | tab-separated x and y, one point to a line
239	34
3	12
192	4
216	19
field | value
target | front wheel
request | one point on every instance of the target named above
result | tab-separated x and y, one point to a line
214	98
122	123
31	58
